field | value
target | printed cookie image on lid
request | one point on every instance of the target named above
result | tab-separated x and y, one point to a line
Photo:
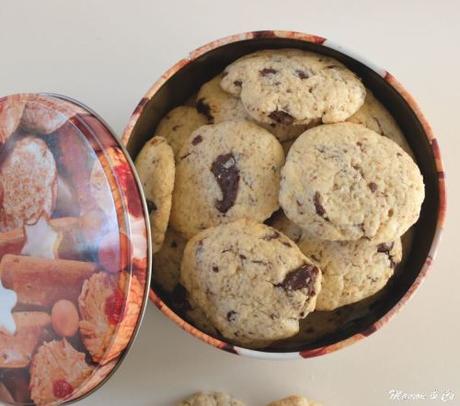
74	252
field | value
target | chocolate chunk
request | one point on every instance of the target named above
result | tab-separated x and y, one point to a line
320	211
238	83
204	109
281	117
231	316
215	269
300	278
259	262
267	71
372	187
196	140
385	248
185	156
302	74
274	235
227	175
151	206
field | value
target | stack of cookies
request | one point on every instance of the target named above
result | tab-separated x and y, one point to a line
284	189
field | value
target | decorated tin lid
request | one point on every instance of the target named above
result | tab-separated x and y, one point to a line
74	251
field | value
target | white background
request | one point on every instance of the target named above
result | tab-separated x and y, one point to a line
108	53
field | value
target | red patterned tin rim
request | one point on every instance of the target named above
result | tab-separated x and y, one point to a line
398	87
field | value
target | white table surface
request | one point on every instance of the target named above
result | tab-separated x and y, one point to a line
107	54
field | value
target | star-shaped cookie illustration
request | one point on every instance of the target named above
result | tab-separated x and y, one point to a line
41	240
8	299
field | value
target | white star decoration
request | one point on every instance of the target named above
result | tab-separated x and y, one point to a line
8	299
42	240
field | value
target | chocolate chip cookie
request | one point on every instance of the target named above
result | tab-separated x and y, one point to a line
376	117
352	270
345	182
294	401
178	124
220	106
166	274
155	166
253	282
166	262
291	86
225	172
211	399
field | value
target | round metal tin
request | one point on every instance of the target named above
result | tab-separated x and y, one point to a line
358	321
74	250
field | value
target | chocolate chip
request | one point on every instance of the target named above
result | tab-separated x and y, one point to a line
231	316
267	71
372	187
204	109
185	156
286	243
302	74
331	67
151	206
320	211
272	236
259	262
300	278
238	83
227	175
215	269
196	140
281	117
243	257
173	244
176	127
385	248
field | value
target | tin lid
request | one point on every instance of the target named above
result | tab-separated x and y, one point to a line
74	250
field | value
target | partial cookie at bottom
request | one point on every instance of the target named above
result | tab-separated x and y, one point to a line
211	399
294	401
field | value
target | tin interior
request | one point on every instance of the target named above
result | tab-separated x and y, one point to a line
352	319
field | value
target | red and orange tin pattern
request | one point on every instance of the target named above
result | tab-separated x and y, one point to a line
74	251
229	48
